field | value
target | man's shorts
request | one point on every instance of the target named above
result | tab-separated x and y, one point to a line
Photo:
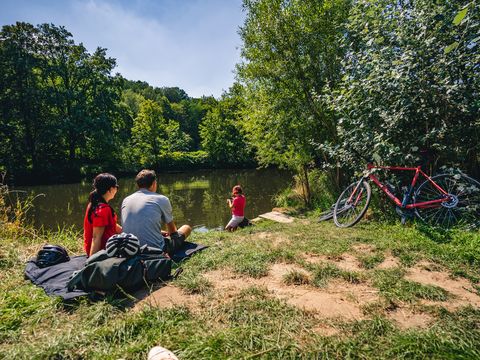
174	242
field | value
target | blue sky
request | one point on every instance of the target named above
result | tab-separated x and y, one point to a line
192	44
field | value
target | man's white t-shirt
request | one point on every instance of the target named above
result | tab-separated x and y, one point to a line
143	213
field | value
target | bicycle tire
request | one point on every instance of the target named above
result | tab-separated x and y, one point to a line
463	210
345	213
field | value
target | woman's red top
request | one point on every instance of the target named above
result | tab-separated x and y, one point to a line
238	207
101	216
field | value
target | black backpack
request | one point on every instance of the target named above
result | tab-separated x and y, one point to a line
107	274
244	223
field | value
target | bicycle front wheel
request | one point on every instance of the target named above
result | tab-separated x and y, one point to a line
461	207
352	204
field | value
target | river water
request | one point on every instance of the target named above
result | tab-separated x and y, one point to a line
198	197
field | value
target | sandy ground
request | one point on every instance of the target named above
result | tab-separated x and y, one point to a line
338	300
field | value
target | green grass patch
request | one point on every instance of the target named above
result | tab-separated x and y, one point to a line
193	283
371	261
394	287
324	272
296	277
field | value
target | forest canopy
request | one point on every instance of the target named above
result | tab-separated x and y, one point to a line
320	81
65	113
397	81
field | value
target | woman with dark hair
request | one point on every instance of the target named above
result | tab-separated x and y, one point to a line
237	206
100	220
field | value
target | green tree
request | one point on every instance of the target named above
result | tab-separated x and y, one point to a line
155	138
21	98
411	83
174	94
291	60
221	130
58	102
84	95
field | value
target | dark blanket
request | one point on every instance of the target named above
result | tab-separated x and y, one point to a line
54	279
187	250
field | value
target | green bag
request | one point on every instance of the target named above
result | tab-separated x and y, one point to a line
107	274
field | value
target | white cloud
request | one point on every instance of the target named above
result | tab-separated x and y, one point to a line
195	51
191	44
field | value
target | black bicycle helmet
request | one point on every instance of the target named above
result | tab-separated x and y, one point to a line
122	245
51	255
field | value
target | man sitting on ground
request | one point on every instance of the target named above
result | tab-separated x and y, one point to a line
144	212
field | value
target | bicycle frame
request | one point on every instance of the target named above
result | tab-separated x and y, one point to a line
405	203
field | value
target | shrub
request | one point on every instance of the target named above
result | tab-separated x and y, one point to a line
322	188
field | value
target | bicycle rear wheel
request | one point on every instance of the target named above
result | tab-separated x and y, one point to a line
462	209
352	204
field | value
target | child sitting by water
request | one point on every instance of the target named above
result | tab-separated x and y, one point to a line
237	205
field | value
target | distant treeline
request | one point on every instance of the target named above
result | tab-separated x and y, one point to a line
65	114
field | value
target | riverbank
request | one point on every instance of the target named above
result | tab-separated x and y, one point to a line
177	162
272	291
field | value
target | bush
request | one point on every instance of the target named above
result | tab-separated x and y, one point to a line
323	192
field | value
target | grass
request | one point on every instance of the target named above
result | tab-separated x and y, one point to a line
323	273
295	277
371	261
393	287
252	322
193	283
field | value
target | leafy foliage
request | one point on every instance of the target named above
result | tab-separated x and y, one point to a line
411	83
57	101
64	114
291	56
332	83
154	137
222	133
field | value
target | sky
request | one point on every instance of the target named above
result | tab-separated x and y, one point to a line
192	44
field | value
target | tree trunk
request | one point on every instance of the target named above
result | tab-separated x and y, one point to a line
306	183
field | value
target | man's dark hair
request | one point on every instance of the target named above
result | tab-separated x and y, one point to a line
145	178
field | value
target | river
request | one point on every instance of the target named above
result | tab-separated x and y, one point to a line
198	197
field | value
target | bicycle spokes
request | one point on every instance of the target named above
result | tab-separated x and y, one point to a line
459	207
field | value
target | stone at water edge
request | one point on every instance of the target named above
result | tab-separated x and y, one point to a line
278	217
160	353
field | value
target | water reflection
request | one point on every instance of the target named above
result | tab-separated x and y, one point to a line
198	198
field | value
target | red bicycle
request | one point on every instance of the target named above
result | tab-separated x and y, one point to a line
444	200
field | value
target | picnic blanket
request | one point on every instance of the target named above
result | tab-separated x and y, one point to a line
54	279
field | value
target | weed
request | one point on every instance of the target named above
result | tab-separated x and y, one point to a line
379	308
322	273
295	277
371	261
406	257
193	283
